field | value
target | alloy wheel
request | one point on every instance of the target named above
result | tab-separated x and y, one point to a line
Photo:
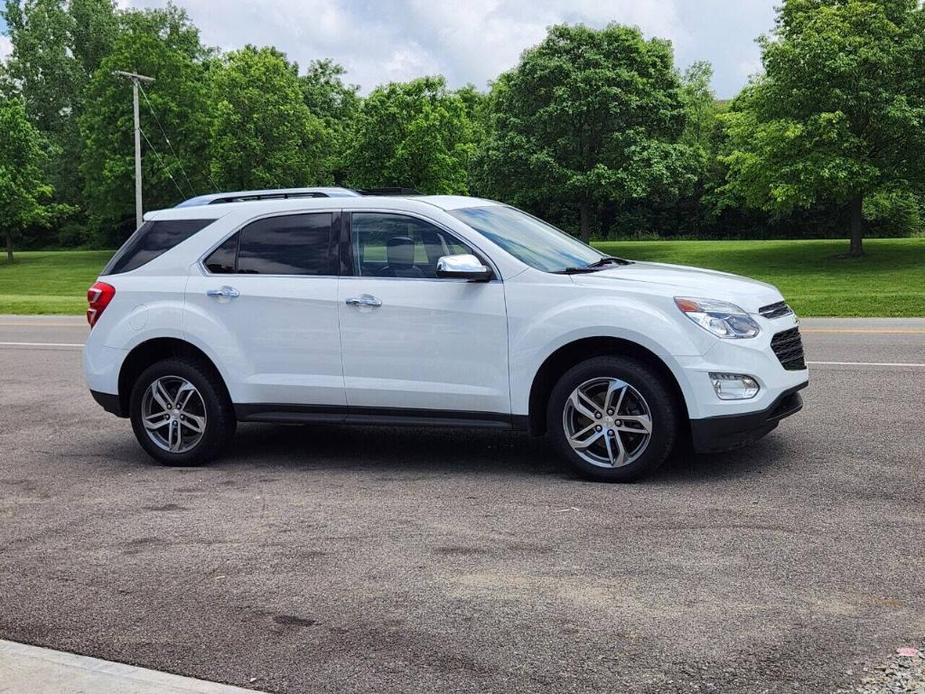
607	422
174	414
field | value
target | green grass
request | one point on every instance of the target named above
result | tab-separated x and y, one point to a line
814	276
49	281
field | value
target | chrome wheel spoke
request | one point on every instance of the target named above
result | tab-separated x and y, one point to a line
173	440
615	450
584	405
639	424
161	396
586	437
618	389
183	396
156	421
193	423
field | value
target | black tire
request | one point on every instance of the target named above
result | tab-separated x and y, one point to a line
220	421
663	409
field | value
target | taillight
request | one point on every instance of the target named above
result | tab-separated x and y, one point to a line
98	298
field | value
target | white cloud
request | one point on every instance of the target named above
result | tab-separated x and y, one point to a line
469	41
6	47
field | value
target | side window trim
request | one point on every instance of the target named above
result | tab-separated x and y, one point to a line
347	242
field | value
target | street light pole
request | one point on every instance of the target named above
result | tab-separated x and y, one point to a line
136	79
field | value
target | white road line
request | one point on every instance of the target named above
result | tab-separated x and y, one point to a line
860	363
41	344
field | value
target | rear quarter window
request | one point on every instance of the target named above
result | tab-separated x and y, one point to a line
151	240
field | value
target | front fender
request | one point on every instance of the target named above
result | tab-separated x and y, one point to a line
534	340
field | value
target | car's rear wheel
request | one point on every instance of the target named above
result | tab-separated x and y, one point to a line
613	419
181	413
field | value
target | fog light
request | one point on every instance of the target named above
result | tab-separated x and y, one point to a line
734	386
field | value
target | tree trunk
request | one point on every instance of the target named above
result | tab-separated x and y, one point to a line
584	212
857	226
9	247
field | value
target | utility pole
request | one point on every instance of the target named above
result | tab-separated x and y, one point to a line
136	80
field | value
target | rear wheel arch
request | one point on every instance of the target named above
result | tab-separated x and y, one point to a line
152	351
573	353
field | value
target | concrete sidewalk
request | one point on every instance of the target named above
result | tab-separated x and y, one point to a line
33	670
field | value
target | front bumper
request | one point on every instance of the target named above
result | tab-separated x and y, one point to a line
727	432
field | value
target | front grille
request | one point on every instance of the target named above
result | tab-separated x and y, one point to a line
775	310
788	346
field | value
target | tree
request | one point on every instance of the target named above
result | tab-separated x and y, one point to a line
336	104
24	188
413	134
163	44
95	27
587	117
263	134
56	47
839	114
42	63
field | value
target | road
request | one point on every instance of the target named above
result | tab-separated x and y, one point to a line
333	559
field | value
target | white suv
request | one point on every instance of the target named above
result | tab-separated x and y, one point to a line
436	310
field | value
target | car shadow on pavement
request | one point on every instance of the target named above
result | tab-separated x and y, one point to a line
335	447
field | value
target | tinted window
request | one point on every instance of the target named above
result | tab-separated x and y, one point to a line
393	245
222	259
152	239
298	244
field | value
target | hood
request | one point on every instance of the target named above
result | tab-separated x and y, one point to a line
679	280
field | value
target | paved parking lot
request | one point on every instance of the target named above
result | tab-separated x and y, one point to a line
332	559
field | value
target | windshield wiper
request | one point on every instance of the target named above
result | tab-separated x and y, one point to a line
608	260
595	266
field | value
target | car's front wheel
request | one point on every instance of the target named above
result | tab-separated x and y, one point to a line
613	419
181	413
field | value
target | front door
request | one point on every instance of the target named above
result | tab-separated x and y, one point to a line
410	340
268	300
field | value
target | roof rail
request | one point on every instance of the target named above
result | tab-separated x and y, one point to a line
269	194
394	190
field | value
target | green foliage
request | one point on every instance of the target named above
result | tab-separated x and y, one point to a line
263	134
162	44
24	188
840	111
415	134
588	117
336	104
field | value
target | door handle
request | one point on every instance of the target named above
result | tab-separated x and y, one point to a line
364	300
225	292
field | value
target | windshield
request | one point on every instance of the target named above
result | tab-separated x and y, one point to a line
530	240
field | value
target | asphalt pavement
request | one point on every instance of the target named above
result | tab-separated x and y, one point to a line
333	559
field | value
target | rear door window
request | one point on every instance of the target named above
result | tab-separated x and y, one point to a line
299	244
152	239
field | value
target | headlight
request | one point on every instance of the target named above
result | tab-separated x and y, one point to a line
718	317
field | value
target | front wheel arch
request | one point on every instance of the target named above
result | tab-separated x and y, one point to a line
573	353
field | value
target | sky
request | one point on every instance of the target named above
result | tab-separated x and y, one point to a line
471	41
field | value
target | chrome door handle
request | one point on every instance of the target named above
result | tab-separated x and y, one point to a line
226	292
364	300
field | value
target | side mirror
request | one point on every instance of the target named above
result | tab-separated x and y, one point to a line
466	267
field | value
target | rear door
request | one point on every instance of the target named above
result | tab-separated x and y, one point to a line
270	291
410	340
